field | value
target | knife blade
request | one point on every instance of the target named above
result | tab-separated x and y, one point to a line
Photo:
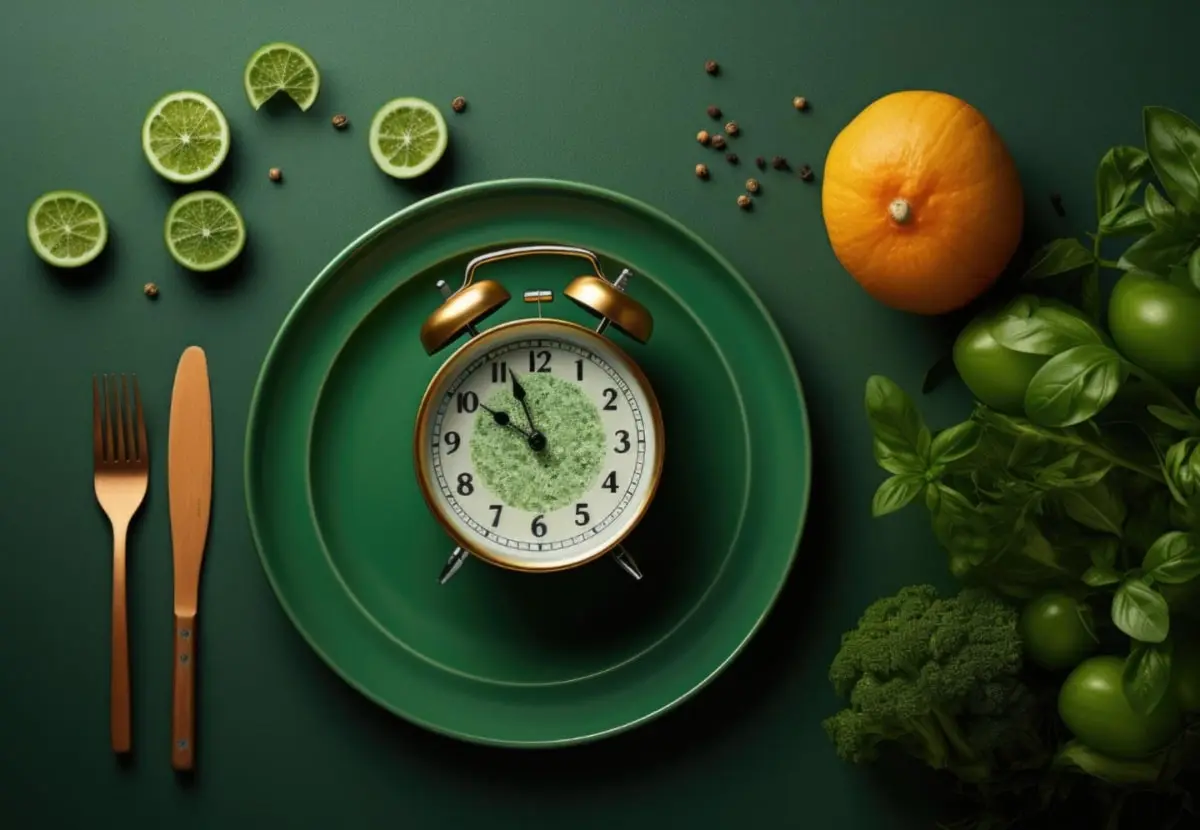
189	486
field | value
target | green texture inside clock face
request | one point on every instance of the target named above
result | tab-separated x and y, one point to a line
542	447
564	469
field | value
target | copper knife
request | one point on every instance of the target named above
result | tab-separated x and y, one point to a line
189	486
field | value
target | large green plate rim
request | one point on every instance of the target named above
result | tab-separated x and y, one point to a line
441	201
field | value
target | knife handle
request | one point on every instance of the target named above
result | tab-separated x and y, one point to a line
183	710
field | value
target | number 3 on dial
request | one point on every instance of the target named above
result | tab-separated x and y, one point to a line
539	445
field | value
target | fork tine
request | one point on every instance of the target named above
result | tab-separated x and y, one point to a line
108	432
116	388
142	451
97	429
130	420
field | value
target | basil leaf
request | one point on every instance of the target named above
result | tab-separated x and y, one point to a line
894	419
1097	507
1147	675
1161	212
1193	268
1157	251
1073	386
1141	612
1121	172
897	461
1125	221
1173	142
1075	755
1185	422
1035	327
954	443
1173	559
1104	553
1098	577
1182	468
894	493
1061	256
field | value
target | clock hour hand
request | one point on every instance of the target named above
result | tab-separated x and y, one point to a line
537	441
502	419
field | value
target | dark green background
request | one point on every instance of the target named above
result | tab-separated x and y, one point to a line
609	93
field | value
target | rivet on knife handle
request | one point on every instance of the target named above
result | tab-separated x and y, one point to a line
183	694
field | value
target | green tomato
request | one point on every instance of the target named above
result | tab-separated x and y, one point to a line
1185	673
996	375
1057	631
1093	706
1156	324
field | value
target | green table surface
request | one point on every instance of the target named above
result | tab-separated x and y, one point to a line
607	93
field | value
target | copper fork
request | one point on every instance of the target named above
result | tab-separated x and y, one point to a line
122	473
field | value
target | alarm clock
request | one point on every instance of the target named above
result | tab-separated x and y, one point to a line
539	442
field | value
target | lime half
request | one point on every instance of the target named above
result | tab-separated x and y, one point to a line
408	136
204	231
185	137
281	67
67	228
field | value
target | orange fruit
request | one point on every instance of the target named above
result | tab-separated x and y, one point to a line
921	201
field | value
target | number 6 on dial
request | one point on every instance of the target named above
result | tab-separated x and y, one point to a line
538	444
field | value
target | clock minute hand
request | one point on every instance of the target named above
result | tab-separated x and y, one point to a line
537	441
519	394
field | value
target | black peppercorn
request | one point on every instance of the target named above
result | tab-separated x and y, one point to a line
714	112
718	142
779	163
711	67
458	104
731	158
761	162
806	173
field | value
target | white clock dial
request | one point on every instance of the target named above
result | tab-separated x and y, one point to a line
539	445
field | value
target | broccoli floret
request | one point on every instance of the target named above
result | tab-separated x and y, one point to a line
938	678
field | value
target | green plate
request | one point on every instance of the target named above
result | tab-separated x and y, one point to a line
497	656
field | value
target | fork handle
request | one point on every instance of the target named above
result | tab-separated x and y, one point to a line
183	710
119	706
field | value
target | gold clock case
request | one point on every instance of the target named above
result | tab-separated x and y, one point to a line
480	344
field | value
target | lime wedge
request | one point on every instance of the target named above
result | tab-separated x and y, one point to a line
408	136
281	67
185	137
204	231
67	228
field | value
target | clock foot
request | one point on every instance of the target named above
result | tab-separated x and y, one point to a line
452	565
622	558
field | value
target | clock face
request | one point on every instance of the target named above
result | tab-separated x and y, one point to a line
539	445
